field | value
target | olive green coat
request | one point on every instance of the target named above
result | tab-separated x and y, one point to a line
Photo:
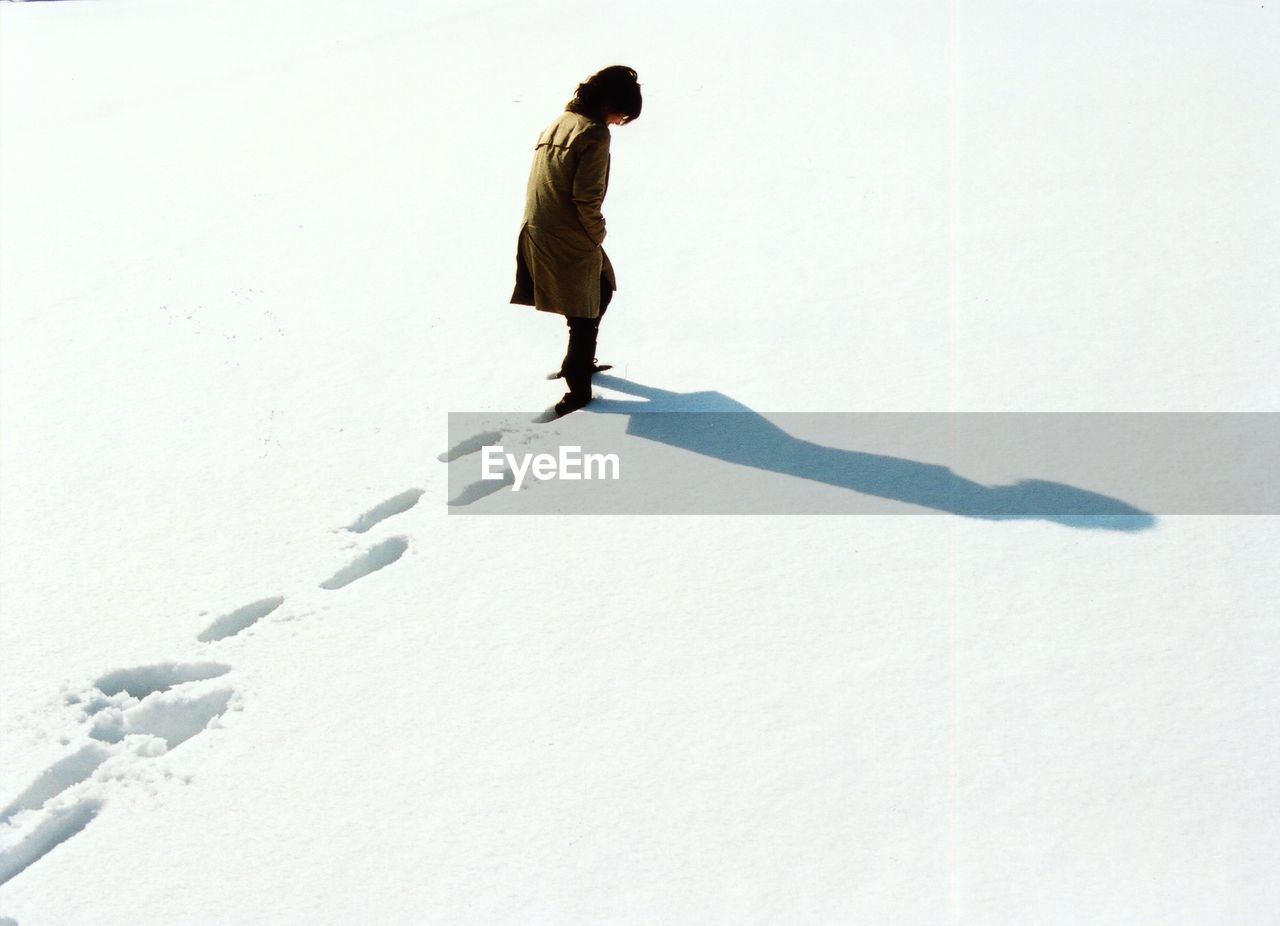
559	258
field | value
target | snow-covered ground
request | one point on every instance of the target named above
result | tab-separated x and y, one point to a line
252	671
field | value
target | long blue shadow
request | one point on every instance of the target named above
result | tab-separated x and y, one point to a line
749	439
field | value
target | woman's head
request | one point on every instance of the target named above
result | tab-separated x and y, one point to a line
613	91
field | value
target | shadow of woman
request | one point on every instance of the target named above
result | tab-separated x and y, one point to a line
737	434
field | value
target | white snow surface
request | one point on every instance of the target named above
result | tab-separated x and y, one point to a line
253	672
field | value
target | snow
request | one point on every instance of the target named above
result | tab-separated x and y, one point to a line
254	670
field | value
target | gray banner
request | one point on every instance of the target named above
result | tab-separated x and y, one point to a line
1115	470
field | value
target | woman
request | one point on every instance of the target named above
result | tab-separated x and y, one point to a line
560	264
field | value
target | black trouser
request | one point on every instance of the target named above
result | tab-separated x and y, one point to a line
580	356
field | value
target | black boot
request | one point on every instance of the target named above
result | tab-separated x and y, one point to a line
571	403
596	367
579	358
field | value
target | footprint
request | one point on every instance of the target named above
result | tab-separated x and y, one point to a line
63	774
145	680
173	717
478	490
379	513
384	554
56	829
468	445
228	625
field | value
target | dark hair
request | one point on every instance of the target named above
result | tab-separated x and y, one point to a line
613	90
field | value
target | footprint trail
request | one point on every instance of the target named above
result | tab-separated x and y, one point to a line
133	715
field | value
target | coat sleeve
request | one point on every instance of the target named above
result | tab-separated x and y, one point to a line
590	181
